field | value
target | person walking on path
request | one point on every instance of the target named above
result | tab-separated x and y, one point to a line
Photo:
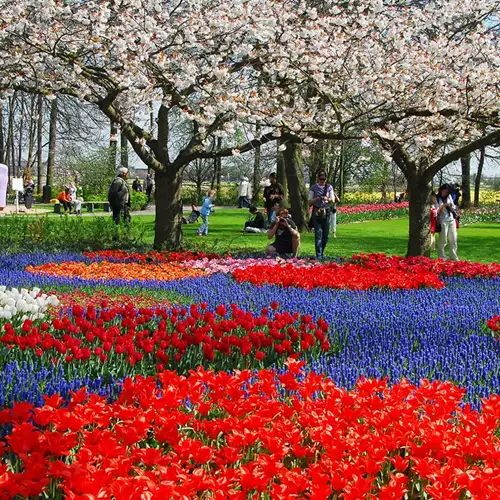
206	210
244	193
148	184
321	199
272	194
119	196
137	186
446	224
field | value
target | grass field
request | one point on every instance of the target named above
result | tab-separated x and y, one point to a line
479	242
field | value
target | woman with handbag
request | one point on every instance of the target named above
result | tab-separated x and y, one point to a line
321	199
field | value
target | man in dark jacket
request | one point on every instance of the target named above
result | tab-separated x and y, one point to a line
119	196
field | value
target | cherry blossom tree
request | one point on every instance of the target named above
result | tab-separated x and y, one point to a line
199	57
421	79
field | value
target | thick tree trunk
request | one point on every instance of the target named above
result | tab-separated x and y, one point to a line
477	184
2	137
39	145
52	143
280	170
465	162
168	223
123	151
419	190
296	187
218	169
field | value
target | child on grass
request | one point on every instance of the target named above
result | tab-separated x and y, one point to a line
206	210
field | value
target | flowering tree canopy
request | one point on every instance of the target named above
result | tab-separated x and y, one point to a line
420	79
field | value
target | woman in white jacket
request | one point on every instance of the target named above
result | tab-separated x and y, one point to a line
446	225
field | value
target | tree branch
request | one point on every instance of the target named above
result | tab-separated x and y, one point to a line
492	139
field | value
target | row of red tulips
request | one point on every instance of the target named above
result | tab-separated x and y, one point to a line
343	276
243	436
116	340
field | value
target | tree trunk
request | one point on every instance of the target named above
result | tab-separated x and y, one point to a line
2	136
341	171
296	187
113	144
52	143
19	168
39	145
477	184
465	162
257	174
280	169
9	153
419	190
123	151
32	133
218	169
168	224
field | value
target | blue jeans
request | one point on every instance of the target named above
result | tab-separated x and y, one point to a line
321	232
204	227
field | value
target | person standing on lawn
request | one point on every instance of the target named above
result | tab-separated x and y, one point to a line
446	224
119	196
272	194
321	199
287	238
244	193
206	210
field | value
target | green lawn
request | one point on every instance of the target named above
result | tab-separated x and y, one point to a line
479	242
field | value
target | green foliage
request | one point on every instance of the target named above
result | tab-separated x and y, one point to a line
95	173
138	201
65	233
228	196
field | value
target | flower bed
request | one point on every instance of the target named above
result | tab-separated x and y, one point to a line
242	433
123	256
234	436
131	271
124	340
347	214
349	276
20	304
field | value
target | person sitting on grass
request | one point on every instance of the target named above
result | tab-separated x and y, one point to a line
193	216
257	224
206	210
65	200
287	238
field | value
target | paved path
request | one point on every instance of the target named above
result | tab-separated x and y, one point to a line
44	211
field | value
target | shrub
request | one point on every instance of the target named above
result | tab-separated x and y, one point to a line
28	234
138	201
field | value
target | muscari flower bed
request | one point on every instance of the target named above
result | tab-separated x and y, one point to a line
442	328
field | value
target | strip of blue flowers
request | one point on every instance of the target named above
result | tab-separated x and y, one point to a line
415	334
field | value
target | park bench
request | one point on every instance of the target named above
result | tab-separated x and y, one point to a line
90	205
